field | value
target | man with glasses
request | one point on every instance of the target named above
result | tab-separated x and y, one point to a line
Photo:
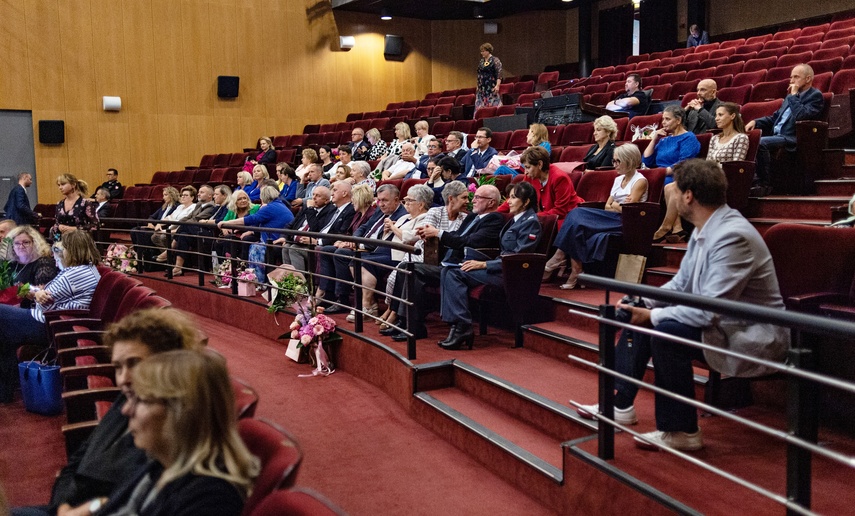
478	156
359	145
454	145
478	231
434	150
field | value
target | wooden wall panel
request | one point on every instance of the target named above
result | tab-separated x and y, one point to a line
45	82
726	16
15	76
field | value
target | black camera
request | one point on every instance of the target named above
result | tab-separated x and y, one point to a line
623	315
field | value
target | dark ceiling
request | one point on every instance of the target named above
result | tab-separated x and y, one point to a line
452	9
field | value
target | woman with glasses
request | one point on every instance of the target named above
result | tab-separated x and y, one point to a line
187	203
33	262
584	234
141	235
181	414
520	235
74	211
72	288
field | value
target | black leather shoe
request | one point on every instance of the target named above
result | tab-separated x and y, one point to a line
464	334
450	335
392	331
419	333
336	309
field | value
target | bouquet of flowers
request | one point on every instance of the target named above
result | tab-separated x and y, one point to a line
309	329
287	290
121	258
223	277
247	275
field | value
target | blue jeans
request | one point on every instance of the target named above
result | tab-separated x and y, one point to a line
764	156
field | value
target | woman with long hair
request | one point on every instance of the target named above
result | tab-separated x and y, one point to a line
74	210
33	262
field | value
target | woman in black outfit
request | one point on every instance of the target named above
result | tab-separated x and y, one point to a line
600	154
33	261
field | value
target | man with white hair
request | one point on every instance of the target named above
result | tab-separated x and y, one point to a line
405	163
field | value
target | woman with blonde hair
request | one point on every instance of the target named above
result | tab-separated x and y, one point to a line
267	154
74	210
244	182
379	148
422	137
259	174
538	136
310	157
601	152
32	260
181	414
402	136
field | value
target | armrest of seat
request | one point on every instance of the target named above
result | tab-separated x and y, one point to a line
67	325
76	434
431	251
812	300
522	274
105	370
639	221
67	357
70	339
492	252
80	405
593	204
53	315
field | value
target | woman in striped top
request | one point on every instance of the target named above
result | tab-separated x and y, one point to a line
71	289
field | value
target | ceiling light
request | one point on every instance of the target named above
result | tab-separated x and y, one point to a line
385	14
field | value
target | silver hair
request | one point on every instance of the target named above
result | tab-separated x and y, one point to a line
453	189
422	194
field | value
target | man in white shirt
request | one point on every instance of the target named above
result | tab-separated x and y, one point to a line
406	163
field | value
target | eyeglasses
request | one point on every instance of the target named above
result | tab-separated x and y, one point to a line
24	243
56	249
481	197
433	146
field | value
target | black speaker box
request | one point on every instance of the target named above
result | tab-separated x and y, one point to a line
228	86
52	131
394	45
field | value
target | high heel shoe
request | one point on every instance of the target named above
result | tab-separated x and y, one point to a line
382	319
661	238
678	237
464	334
570	284
161	257
451	331
553	269
177	272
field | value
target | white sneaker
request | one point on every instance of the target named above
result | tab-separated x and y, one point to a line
622	416
351	317
677	440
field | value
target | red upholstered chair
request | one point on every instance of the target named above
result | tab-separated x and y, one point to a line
740	174
741	58
748	48
779	73
781	43
486	112
573	153
848	23
353	117
616	86
805	47
427	102
700	73
650	63
842	82
577	134
833	65
763	38
660	55
523	87
794	59
671	60
637	59
672	77
441	129
764	91
763	64
683	51
410	103
822	81
547	78
295	502
722	81
518	140
612	77
640	121
709	47
722	52
409	183
660	91
344	126
465	100
737	94
465	126
596	88
659	69
280	457
423	112
386	113
603	70
369	115
831	51
218	174
626	68
751	78
755	110
786	34
732	43
505	110
442	111
809	37
770	52
221	160
697	57
688	97
447	99
500	140
433	95
601	99
678	89
842	33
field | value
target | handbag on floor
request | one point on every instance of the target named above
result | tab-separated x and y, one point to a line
41	385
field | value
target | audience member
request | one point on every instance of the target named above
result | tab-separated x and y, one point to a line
272	214
697	37
402	136
454	145
32	260
489	78
803	102
102	200
379	148
112	184
521	234
729	145
480	154
353	215
633	101
141	235
388	207
244	182
443	218
585	234
239	207
18	204
183	210
314	177
72	288
360	174
672	143
308	158
181	414
74	211
700	111
203	211
326	159
359	146
422	137
344	158
6	225
434	149
417	203
288	183
557	196
403	165
601	152
538	135
726	259
259	175
267	154
480	230
342	173
108	457
313	217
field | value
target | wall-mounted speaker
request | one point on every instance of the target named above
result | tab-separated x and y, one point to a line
491	28
346	42
228	86
52	131
394	45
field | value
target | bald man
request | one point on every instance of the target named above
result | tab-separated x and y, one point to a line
312	218
700	111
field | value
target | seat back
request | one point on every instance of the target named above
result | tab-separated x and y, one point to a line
842	82
518	139
793	59
639	221
770	90
279	454
655	183
500	140
577	133
832	64
755	110
548	229
129	303
295	502
737	94
596	185
246	398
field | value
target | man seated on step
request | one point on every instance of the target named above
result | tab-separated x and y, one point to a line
803	102
312	217
388	207
480	230
726	259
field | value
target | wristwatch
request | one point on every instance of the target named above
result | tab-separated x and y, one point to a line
95	506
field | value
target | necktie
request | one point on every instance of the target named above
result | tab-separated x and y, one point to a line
376	227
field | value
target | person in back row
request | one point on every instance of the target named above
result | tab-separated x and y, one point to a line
634	101
700	111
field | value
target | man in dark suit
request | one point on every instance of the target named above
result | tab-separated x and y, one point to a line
388	207
314	216
102	197
358	144
18	205
479	156
478	231
339	224
803	102
204	210
421	171
454	145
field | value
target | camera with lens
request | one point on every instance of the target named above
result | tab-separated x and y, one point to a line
623	315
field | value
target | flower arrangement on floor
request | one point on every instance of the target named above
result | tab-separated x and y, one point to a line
121	258
246	279
223	276
311	331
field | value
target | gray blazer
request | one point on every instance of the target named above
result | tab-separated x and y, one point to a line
729	260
